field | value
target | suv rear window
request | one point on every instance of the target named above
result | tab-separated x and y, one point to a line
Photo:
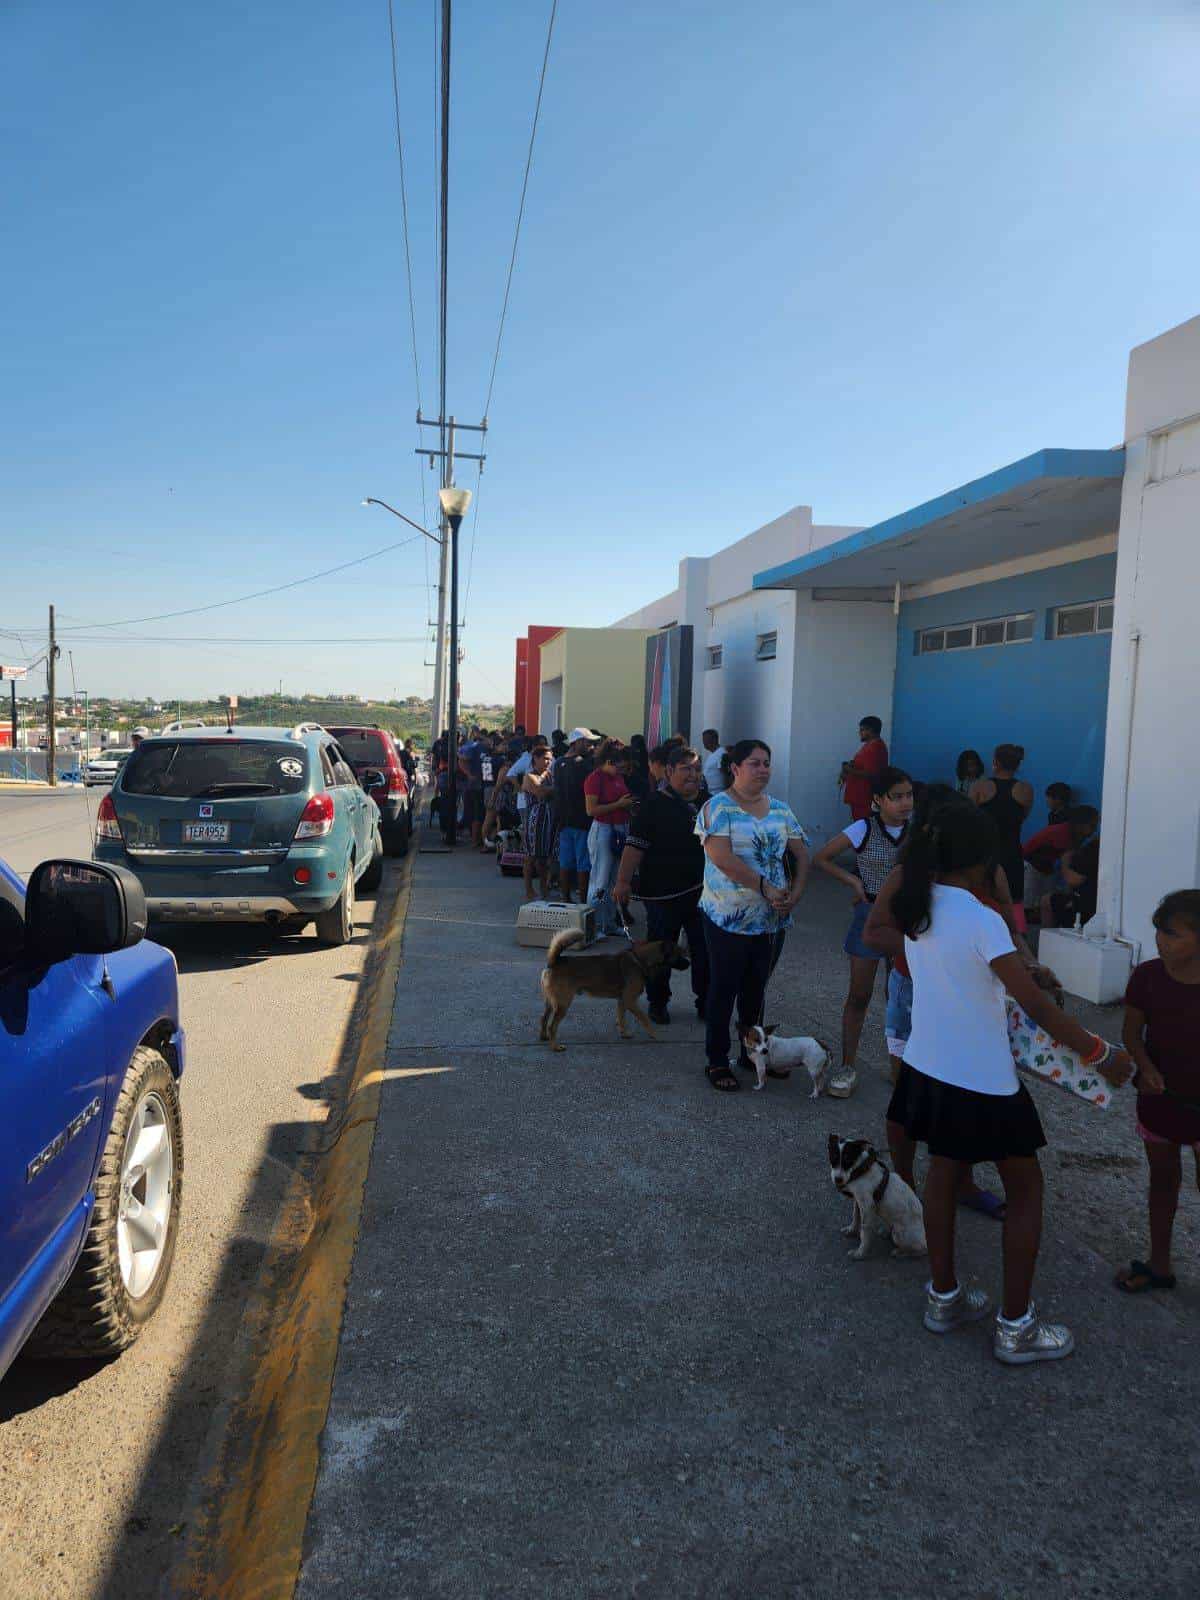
364	747
193	769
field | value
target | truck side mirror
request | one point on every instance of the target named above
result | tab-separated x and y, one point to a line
75	908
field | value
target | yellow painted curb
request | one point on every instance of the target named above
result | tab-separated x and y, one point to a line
255	1495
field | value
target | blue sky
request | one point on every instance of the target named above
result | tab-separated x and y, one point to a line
773	255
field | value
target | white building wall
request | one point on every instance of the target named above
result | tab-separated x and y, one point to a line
1150	833
844	669
745	697
551	694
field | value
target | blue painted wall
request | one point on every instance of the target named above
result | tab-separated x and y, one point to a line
1050	695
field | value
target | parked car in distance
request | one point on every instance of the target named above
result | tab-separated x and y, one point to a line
245	824
373	749
103	768
91	1139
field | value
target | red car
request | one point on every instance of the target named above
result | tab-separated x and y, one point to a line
369	748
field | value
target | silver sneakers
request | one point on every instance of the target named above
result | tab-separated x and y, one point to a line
943	1316
1032	1340
841	1082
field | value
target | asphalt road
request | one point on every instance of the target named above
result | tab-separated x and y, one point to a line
96	1462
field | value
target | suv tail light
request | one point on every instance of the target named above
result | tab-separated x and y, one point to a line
397	780
317	818
107	826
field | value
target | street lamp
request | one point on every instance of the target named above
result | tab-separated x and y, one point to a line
454	509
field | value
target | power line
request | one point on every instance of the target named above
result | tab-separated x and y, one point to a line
233	639
474	531
444	224
412	311
436	35
259	594
512	260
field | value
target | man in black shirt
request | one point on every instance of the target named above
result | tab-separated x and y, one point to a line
570	814
663	849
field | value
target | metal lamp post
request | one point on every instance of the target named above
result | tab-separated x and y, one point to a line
454	507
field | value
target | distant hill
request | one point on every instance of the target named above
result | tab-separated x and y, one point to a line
409	718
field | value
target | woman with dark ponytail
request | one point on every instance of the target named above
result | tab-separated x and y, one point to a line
958	1092
882	933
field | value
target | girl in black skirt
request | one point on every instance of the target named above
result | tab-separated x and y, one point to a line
958	1091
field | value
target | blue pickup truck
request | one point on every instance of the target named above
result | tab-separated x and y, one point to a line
91	1136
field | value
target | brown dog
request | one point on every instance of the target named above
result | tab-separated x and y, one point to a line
620	977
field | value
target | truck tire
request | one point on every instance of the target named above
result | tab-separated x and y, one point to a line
121	1275
336	926
373	876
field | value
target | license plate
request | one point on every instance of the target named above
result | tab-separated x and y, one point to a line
206	833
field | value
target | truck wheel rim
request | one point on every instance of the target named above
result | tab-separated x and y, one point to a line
146	1196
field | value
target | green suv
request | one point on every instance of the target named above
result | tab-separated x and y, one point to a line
246	825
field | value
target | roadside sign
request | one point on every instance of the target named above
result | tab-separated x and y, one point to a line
12	672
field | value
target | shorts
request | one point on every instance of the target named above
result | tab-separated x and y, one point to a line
962	1124
897	1027
573	850
472	807
854	945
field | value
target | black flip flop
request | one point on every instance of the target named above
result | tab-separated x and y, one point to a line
1150	1280
722	1079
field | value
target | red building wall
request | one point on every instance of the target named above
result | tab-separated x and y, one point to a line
527	696
522	670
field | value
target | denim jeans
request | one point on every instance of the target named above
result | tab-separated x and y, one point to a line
605	843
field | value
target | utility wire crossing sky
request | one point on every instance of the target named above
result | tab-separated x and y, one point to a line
798	257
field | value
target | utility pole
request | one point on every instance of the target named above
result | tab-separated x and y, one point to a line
51	654
454	503
444	423
447	426
450	540
437	720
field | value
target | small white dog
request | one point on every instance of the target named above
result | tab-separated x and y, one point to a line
883	1203
767	1050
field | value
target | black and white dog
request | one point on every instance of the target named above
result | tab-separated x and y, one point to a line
883	1203
768	1051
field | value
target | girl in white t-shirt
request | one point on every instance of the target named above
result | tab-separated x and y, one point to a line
958	1092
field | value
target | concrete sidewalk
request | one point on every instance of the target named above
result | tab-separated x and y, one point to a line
603	1337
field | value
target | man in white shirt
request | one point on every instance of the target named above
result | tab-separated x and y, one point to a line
714	753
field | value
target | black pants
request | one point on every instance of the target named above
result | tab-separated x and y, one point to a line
739	965
665	919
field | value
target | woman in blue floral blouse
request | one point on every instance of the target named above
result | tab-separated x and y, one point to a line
748	896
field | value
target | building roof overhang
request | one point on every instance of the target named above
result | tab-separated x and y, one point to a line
1046	501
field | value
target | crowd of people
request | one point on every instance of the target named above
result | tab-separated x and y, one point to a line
943	890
